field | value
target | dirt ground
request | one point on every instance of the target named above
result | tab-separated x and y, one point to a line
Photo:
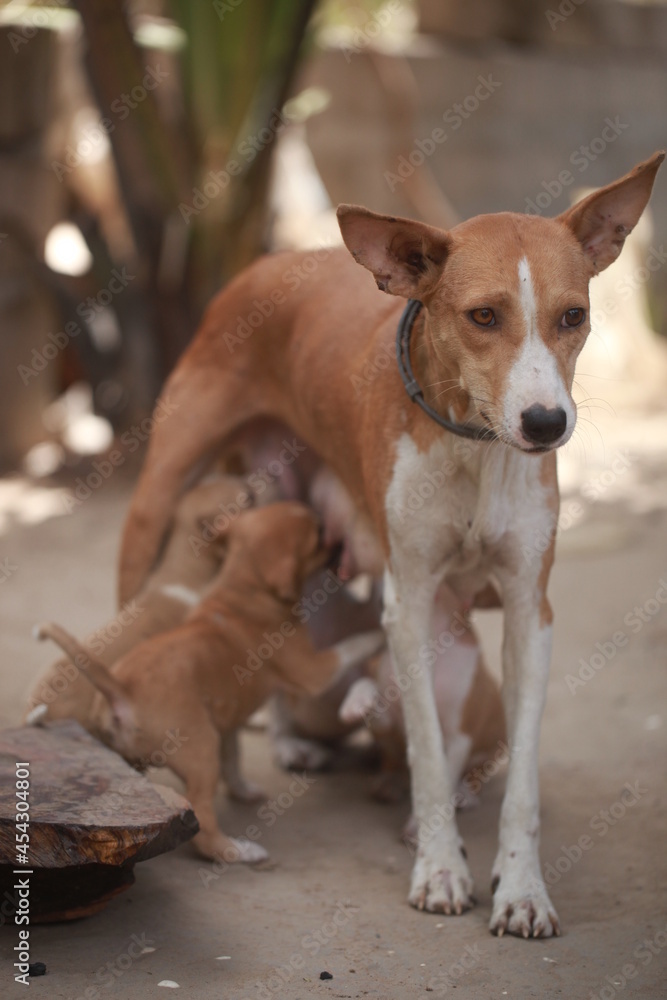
334	896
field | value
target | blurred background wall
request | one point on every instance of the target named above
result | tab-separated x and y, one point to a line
150	149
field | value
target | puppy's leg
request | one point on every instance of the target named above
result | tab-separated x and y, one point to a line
441	881
237	786
313	671
521	904
197	764
291	751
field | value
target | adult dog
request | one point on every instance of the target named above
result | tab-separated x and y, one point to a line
491	354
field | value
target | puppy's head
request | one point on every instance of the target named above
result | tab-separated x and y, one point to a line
282	543
506	299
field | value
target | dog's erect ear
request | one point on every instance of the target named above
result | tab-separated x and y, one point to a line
405	257
602	221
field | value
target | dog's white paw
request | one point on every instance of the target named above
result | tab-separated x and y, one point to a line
442	884
248	851
360	701
521	906
295	754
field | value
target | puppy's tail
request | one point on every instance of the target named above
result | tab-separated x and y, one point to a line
91	668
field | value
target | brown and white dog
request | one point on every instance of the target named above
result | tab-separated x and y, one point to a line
195	679
505	315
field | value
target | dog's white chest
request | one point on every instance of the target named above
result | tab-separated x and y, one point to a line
462	506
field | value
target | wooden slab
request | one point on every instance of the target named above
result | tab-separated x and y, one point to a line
92	817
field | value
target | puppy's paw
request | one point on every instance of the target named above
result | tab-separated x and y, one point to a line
294	754
247	791
521	906
248	852
442	884
359	702
466	799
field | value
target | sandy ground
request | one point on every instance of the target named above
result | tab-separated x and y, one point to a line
334	897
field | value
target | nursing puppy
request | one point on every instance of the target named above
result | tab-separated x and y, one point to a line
206	677
466	696
190	560
487	352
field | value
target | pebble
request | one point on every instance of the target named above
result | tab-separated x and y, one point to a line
325	975
37	969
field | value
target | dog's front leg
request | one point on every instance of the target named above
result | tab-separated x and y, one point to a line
441	881
521	904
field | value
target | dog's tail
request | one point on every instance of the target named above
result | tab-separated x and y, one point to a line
91	668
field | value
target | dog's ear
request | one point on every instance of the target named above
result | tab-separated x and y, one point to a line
280	576
602	221
405	257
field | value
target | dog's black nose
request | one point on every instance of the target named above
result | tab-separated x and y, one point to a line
542	426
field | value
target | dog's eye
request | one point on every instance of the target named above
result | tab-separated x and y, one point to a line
483	316
573	317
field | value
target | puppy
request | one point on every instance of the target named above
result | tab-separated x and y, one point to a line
466	696
206	677
190	560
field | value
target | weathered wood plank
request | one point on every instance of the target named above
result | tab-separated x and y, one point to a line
92	817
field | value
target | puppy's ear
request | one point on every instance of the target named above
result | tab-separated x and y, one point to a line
405	257
602	221
280	576
212	533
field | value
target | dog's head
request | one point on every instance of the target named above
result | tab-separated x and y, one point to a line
281	543
506	298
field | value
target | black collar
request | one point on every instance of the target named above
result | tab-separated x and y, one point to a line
411	384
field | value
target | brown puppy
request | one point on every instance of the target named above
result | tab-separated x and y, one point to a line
206	677
190	560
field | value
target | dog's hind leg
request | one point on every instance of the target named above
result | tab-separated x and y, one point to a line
196	413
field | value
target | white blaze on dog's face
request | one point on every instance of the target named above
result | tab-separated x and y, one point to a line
507	302
508	318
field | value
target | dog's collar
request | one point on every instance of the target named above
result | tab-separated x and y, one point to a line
412	386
